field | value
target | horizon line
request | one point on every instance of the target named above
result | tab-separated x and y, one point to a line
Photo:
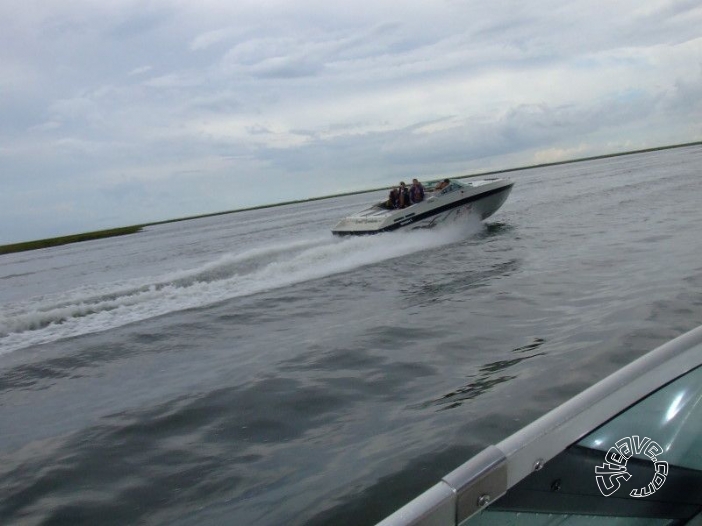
98	234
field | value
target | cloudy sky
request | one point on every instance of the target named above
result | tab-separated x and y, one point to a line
116	112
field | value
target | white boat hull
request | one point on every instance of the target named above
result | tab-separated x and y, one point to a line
458	202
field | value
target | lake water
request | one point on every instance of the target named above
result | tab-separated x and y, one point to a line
252	369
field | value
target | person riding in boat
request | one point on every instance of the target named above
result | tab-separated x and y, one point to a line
404	195
393	199
416	192
443	184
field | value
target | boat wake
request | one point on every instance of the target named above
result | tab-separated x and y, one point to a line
106	306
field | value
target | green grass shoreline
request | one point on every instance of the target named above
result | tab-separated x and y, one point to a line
100	234
64	240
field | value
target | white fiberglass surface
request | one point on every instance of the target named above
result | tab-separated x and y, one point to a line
670	417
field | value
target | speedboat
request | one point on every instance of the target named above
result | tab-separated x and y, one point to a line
458	199
625	451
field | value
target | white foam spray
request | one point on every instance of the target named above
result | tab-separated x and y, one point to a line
101	307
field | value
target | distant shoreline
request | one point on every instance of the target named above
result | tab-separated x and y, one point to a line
100	234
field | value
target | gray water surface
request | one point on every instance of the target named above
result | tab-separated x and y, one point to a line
252	369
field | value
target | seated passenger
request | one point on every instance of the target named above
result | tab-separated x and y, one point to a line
416	192
393	199
443	184
404	195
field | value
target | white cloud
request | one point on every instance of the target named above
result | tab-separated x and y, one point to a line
46	126
174	80
139	71
363	92
210	38
553	155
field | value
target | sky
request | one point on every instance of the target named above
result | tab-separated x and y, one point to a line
115	113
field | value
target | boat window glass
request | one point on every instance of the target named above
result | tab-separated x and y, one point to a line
671	416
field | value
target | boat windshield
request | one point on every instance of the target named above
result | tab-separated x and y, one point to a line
672	417
644	466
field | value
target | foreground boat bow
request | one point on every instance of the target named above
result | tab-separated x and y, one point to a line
628	451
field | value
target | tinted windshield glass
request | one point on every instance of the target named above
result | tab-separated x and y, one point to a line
672	417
